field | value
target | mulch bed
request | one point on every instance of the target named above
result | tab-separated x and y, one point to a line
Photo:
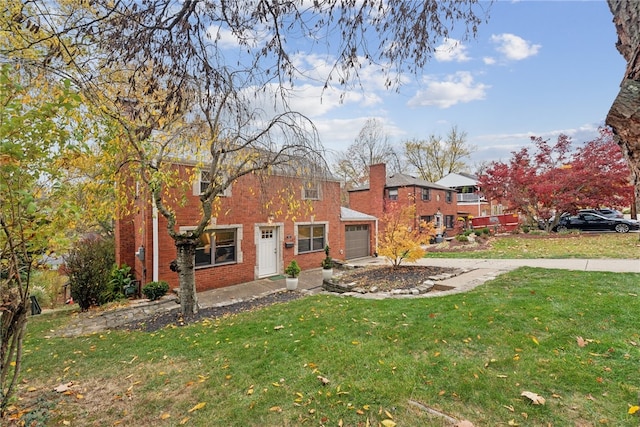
175	318
385	278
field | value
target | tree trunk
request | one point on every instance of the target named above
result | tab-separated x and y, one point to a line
186	275
624	115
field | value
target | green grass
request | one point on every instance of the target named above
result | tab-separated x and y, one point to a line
468	355
572	245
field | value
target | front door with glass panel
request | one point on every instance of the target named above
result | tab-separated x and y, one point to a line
268	252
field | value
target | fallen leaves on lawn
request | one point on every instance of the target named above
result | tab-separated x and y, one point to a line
63	387
323	380
198	407
535	398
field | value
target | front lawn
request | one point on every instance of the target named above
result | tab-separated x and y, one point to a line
568	336
555	245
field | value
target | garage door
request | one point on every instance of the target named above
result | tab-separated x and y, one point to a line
357	241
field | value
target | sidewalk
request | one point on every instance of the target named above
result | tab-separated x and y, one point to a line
479	270
308	281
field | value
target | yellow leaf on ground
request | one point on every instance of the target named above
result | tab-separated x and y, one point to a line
634	409
184	421
275	409
388	423
165	415
198	406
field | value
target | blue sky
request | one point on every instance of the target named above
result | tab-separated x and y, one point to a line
536	68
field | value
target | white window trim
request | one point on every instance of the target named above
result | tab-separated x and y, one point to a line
239	237
305	224
312	186
198	182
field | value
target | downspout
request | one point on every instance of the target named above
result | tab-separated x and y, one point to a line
376	251
155	243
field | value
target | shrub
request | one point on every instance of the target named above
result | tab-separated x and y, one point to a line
327	262
120	277
293	269
462	238
155	290
88	266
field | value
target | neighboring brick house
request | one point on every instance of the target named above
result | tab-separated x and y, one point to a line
433	202
471	201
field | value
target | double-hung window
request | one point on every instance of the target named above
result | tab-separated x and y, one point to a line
392	193
449	196
311	192
217	247
202	183
311	238
426	194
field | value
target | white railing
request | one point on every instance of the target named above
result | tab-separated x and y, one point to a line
470	198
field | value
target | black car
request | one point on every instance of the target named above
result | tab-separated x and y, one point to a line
606	212
593	222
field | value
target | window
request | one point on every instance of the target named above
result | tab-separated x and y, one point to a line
310	238
448	221
205	180
427	218
393	194
426	194
217	247
311	192
449	196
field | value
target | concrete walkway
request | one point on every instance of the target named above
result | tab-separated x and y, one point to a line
476	272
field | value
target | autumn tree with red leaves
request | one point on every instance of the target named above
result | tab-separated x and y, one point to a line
555	178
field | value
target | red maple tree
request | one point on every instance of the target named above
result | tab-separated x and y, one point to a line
556	179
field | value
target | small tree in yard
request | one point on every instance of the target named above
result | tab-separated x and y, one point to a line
36	116
403	235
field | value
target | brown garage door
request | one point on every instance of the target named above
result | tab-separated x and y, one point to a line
357	241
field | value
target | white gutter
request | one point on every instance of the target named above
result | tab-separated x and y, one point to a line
156	256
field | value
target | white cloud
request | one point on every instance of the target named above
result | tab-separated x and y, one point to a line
456	88
513	47
489	60
451	50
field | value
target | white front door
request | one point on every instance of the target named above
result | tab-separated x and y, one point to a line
268	252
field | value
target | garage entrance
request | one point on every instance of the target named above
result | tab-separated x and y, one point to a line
357	241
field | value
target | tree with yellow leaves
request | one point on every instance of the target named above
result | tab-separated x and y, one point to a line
403	234
36	124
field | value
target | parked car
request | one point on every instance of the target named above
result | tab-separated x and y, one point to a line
585	221
606	212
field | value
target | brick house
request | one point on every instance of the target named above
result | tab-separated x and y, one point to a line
433	202
254	232
471	201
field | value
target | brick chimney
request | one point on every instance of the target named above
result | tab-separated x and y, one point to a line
377	183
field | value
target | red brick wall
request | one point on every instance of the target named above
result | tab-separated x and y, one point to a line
373	200
253	201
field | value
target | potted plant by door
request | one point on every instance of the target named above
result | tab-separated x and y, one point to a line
292	271
327	265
